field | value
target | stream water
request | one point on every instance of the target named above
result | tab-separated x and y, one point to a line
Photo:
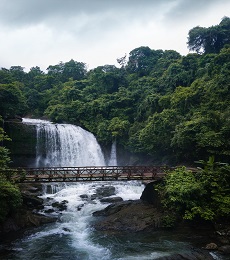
72	237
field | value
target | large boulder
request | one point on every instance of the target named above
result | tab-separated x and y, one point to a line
150	195
105	191
225	249
26	216
130	216
30	193
24	219
111	199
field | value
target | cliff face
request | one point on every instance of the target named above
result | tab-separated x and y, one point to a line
23	145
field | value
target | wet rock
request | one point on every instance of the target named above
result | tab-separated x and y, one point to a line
150	195
60	205
49	211
105	191
79	207
112	209
66	229
225	249
35	189
195	254
24	219
129	216
93	196
211	246
32	201
84	196
111	200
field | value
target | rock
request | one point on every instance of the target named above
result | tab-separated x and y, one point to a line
150	195
111	200
66	229
93	196
27	215
49	211
84	196
79	207
9	225
24	219
195	254
121	217
105	191
32	201
225	249
112	209
60	205
211	246
35	189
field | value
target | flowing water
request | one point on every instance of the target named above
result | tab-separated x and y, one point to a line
65	145
72	237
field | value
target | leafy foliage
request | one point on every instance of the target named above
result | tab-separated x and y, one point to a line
201	195
10	196
210	40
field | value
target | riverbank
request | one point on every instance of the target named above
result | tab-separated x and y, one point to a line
28	215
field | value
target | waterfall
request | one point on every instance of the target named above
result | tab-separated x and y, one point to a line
65	145
113	155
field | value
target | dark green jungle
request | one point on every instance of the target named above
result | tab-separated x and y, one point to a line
156	103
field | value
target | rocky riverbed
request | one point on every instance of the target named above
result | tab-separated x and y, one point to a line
132	216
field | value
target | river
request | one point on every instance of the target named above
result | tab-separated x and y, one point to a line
72	236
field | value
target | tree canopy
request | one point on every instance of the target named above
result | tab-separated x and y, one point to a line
210	40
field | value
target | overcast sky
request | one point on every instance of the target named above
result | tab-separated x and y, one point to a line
97	32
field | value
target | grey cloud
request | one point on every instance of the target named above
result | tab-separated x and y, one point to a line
190	9
26	12
67	13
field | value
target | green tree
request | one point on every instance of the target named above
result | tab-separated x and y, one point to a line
12	101
202	195
210	40
10	196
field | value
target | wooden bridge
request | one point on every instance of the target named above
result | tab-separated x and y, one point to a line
94	173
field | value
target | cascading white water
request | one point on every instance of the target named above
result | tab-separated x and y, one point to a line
65	145
72	236
113	155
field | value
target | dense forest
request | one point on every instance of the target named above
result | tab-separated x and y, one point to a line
155	102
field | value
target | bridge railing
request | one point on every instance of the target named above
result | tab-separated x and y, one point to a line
86	173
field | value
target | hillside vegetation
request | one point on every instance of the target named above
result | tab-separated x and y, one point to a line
157	102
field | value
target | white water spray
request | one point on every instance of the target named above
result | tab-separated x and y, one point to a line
65	145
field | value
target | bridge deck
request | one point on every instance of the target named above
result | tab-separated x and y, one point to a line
95	173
